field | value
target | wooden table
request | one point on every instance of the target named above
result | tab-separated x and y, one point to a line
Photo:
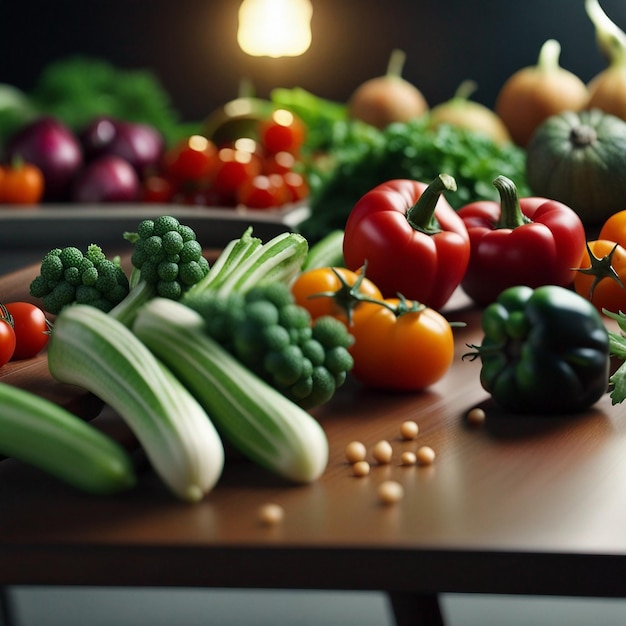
515	506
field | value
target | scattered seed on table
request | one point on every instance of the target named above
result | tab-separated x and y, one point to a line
476	416
271	514
361	468
382	452
425	455
390	492
409	430
355	452
408	458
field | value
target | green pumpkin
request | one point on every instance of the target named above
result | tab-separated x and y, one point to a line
579	159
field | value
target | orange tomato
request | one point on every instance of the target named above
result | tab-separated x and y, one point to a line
406	352
21	183
341	297
601	287
614	229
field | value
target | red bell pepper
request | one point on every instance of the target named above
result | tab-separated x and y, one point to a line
528	241
411	240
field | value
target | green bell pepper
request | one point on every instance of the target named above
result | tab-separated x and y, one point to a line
544	351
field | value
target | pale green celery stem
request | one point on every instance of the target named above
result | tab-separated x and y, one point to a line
280	259
257	419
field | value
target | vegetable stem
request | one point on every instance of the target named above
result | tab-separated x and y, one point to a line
421	215
396	63
511	215
549	56
611	39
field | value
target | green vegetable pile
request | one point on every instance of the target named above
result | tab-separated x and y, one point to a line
361	158
275	338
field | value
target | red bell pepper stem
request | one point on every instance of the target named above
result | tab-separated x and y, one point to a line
511	215
421	216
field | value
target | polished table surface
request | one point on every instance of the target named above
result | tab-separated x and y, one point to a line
516	505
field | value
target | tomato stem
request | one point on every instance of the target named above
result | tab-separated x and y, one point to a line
421	216
600	269
511	215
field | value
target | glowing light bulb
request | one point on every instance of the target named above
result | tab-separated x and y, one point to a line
275	28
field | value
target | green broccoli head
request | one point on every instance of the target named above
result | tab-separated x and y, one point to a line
167	256
68	276
268	332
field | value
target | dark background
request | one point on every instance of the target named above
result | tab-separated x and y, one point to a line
191	44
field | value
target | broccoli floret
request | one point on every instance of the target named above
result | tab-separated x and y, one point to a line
267	331
166	259
67	275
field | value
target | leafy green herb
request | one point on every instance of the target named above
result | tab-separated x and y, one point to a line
361	157
77	89
617	348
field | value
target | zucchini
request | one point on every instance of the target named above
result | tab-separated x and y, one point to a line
94	350
43	434
255	418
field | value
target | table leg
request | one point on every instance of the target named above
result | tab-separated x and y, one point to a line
413	609
7	615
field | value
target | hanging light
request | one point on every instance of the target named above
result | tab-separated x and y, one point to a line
275	28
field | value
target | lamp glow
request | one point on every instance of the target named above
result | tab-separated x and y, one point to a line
275	28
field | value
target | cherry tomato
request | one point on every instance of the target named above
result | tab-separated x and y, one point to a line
283	131
191	160
7	337
614	228
406	352
30	328
234	167
296	185
263	192
602	287
21	183
341	296
157	189
279	163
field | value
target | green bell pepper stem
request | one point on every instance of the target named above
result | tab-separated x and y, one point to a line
421	215
511	215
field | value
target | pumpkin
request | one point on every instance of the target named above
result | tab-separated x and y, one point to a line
578	158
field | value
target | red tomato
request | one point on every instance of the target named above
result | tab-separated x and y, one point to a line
263	192
283	131
279	163
192	160
30	328
21	183
234	167
7	337
157	189
296	185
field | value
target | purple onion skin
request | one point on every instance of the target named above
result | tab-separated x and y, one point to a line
97	136
52	146
107	179
140	144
